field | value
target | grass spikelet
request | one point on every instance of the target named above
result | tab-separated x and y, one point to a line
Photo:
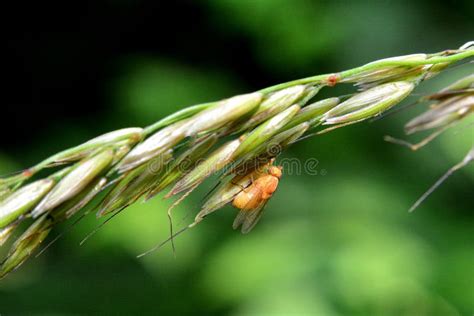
223	113
183	164
275	103
26	244
153	146
215	162
134	185
368	103
373	78
21	201
449	106
74	182
265	131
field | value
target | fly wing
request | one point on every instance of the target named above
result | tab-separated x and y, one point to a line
253	217
239	219
247	216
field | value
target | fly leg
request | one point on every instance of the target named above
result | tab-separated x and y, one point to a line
240	186
244	188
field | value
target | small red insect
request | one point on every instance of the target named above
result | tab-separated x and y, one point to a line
333	80
27	173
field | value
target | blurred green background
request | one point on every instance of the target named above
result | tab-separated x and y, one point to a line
337	243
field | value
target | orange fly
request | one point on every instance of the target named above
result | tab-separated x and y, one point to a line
252	200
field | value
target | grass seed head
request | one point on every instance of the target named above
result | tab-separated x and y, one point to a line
271	119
